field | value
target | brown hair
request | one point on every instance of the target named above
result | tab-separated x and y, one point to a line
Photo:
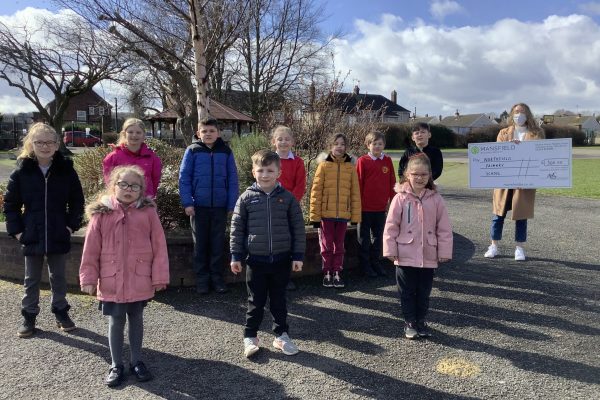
419	159
335	137
34	130
208	121
530	123
417	126
373	136
262	158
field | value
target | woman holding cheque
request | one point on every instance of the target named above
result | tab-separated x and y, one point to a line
522	126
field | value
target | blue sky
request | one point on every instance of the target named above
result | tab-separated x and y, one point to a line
443	55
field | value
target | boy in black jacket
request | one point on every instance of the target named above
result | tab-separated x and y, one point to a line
267	231
421	133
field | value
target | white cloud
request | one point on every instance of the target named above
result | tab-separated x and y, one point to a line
550	65
592	7
439	9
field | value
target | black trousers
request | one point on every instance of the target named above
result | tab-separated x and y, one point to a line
371	224
208	232
414	286
267	280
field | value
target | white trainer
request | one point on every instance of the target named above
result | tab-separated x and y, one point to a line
285	344
491	252
250	346
519	254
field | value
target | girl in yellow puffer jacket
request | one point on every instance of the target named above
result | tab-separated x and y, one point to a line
334	200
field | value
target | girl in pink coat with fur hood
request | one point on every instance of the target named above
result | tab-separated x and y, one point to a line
124	261
417	235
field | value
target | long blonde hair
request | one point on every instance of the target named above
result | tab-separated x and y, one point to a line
128	122
35	130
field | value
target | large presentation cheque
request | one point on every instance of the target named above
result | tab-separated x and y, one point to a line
529	164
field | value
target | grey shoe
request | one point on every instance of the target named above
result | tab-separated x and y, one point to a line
27	328
285	344
250	346
410	330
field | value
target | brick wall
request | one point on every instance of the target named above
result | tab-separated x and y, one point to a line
180	258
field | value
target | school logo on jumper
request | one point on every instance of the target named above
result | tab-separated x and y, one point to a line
385	170
279	200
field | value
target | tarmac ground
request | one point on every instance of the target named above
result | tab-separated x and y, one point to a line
501	329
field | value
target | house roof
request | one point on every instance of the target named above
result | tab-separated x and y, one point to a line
574	120
352	102
461	121
217	110
428	120
99	100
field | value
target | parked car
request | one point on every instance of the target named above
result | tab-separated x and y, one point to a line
80	139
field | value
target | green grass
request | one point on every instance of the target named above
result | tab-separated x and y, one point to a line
586	183
6	162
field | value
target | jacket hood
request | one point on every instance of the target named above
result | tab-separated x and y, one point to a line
255	188
218	144
58	162
144	149
329	157
107	204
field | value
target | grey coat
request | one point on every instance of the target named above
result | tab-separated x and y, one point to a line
267	228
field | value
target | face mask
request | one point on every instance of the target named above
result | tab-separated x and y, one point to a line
519	119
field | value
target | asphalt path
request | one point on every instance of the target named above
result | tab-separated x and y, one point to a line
502	329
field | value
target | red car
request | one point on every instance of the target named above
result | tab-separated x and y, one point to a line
80	139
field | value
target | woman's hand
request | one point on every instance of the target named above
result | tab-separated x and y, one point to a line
516	141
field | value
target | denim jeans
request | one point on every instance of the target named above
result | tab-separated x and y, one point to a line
498	225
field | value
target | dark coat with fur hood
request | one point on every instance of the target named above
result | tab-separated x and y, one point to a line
42	207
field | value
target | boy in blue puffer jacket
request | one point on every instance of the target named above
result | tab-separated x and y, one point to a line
208	187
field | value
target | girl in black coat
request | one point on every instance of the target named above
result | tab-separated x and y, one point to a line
43	205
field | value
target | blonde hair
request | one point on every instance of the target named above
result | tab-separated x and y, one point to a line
373	136
112	182
128	122
334	137
35	130
530	123
281	129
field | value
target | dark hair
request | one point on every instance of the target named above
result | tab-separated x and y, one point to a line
262	158
335	137
419	159
373	136
209	121
417	126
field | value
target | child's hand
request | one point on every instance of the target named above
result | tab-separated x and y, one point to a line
18	236
236	267
442	260
297	266
516	141
158	288
393	259
89	289
189	211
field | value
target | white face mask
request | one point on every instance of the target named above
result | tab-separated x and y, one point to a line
520	119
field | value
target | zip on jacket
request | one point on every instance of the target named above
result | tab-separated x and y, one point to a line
46	211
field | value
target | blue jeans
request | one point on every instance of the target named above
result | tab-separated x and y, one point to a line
498	224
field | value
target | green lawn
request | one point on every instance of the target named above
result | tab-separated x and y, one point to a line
585	182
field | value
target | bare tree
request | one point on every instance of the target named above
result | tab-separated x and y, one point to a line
280	50
60	58
179	40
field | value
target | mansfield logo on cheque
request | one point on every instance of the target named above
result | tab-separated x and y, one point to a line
528	164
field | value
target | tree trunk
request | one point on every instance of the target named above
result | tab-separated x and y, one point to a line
199	63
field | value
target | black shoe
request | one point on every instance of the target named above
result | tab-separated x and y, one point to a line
27	328
63	321
327	280
115	376
202	290
140	372
423	330
291	285
338	282
221	289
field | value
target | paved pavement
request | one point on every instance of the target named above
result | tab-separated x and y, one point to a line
502	329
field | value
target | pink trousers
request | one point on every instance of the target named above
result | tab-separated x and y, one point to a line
331	238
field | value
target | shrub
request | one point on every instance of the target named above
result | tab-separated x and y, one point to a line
243	149
483	134
89	167
559	132
397	136
442	136
110	137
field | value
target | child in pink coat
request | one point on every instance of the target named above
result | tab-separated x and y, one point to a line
124	261
417	235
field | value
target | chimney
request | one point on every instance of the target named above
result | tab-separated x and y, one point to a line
579	115
356	90
394	97
456	114
426	115
440	117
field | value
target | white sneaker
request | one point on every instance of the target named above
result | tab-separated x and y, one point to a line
519	254
491	252
250	346
285	344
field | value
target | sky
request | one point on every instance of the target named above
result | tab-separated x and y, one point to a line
475	56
